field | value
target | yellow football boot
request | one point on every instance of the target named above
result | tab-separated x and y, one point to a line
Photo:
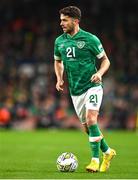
107	160
93	166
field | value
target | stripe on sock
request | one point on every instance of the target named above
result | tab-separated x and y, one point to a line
95	139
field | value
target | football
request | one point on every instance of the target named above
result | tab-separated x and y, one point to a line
67	162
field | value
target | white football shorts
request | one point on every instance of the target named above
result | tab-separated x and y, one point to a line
91	99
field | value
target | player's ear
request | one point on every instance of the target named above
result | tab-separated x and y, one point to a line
76	21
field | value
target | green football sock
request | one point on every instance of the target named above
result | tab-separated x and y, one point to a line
94	139
104	146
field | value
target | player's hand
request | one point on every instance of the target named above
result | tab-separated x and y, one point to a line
59	85
96	78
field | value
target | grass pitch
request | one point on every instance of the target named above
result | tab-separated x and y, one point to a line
30	155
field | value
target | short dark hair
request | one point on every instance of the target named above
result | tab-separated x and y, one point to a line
71	11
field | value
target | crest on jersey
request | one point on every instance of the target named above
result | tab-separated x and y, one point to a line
80	44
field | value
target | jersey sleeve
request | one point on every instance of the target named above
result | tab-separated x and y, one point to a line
97	47
57	55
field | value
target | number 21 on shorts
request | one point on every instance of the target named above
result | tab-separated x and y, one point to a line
93	98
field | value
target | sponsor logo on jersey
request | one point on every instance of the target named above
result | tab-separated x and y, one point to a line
80	44
61	45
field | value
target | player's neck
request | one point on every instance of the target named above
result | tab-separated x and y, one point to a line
76	30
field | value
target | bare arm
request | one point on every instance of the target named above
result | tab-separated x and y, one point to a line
97	77
59	70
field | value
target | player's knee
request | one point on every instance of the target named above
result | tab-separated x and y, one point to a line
91	117
91	122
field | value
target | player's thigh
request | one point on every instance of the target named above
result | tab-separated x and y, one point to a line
79	106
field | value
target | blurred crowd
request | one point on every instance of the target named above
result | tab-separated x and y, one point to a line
28	98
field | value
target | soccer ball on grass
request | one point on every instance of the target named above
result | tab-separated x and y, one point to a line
67	162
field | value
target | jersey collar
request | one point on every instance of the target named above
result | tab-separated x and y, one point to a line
72	37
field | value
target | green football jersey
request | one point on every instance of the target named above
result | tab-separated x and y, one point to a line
78	54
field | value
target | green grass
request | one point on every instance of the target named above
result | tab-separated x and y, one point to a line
33	154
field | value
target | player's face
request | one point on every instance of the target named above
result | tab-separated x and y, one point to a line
67	24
